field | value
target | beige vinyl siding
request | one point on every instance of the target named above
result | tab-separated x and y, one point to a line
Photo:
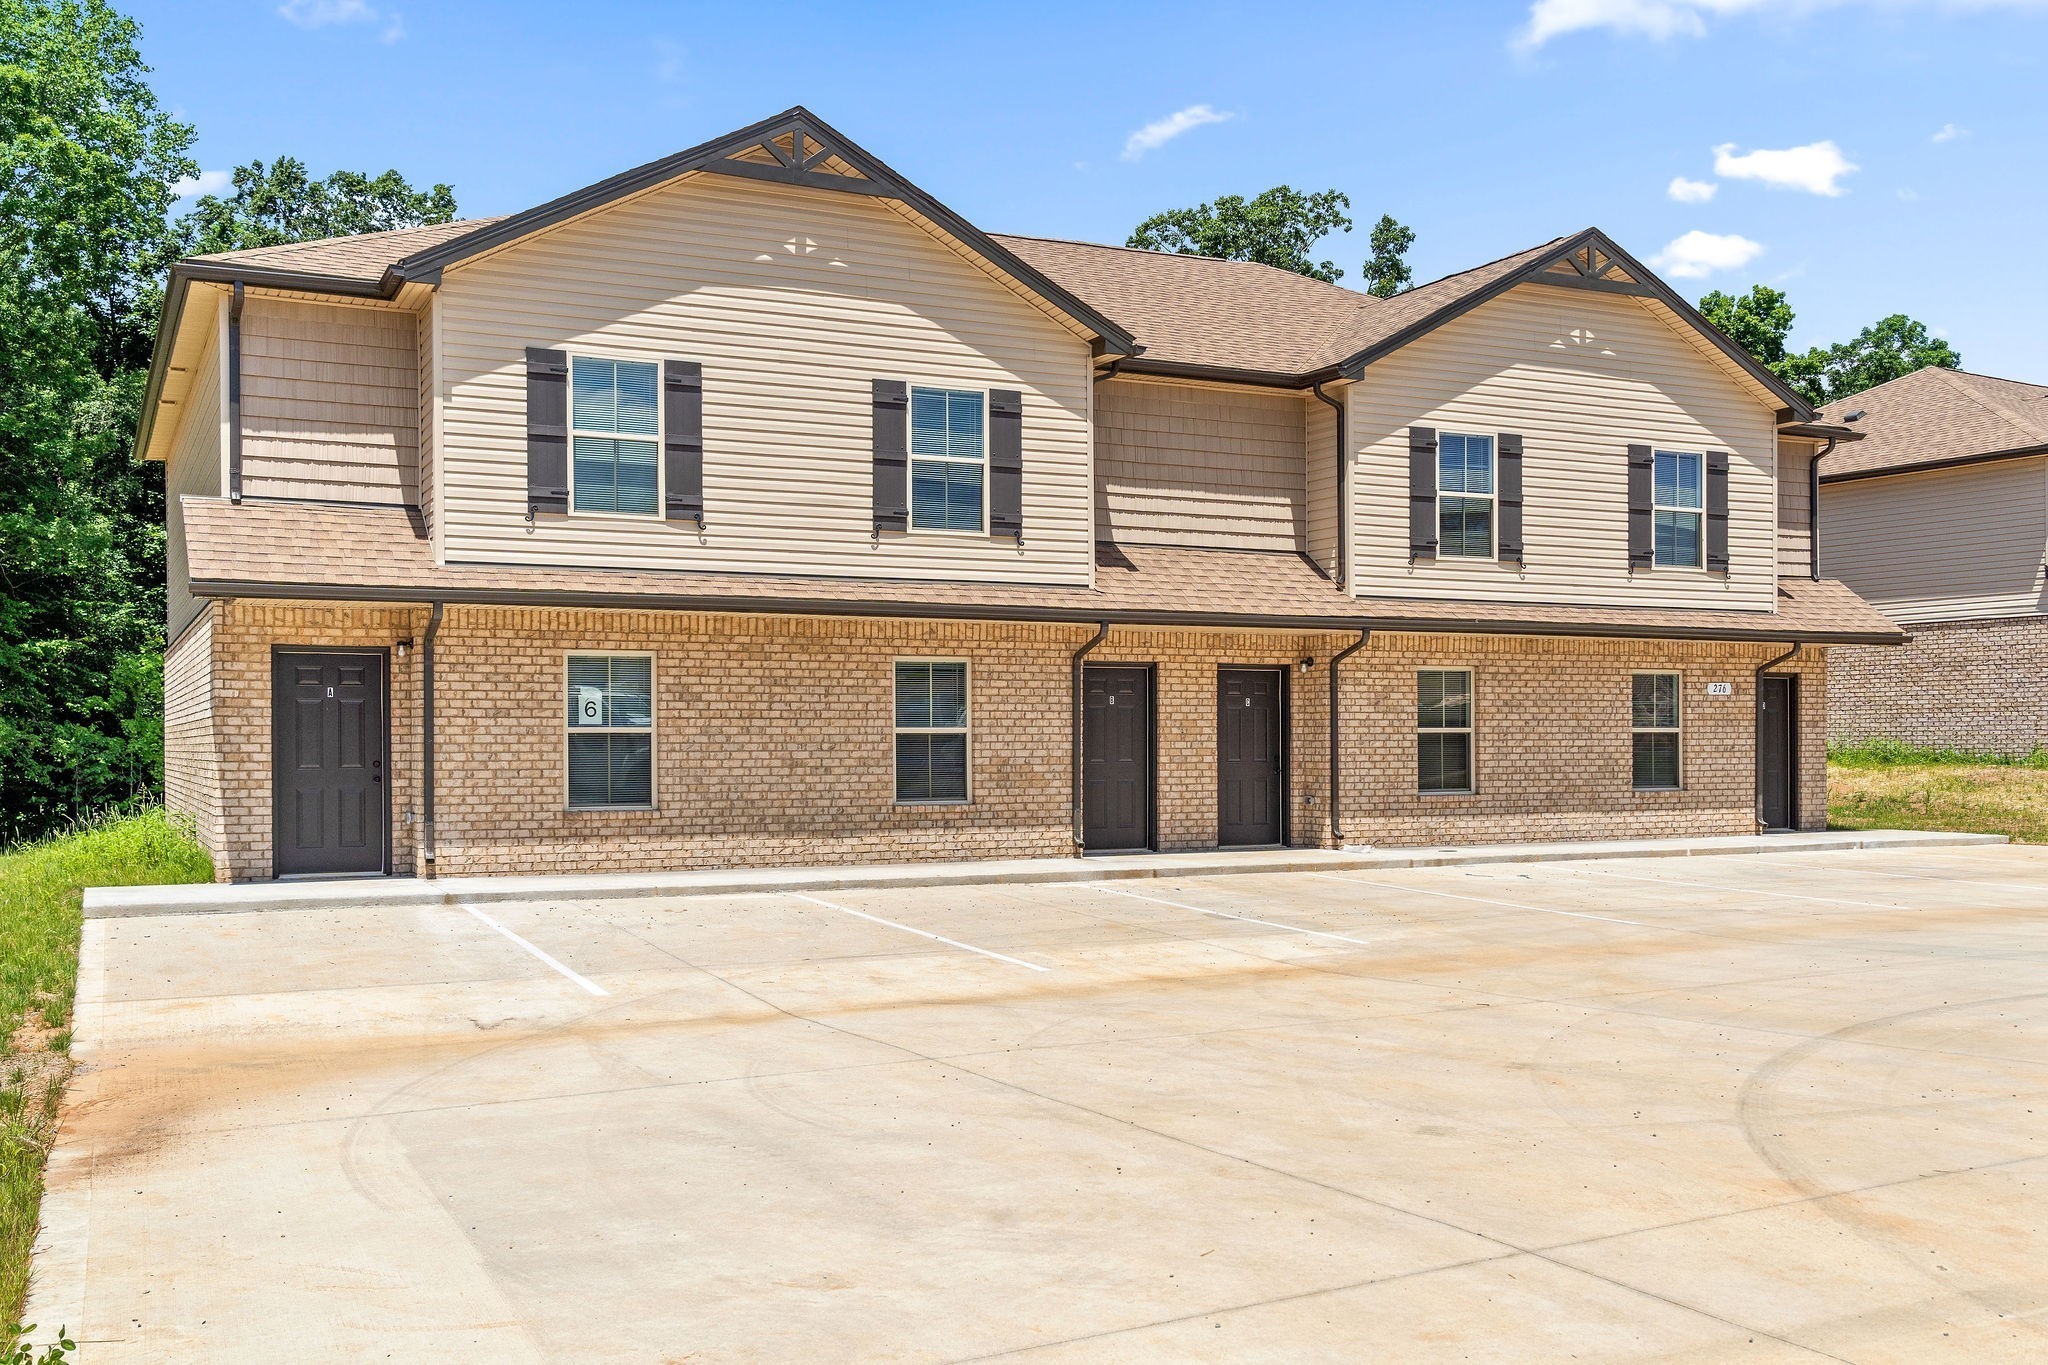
1795	498
423	347
794	301
1949	544
193	467
1579	376
330	402
1319	433
1199	464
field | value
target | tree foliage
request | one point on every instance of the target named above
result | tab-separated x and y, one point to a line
1278	228
279	203
1761	321
87	164
1386	271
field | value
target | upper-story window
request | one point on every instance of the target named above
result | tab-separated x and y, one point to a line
1679	507
614	415
948	456
1464	503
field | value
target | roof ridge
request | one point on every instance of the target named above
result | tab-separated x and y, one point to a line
1181	255
1956	379
1484	265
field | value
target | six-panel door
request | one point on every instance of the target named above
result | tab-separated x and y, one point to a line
1249	756
329	802
1116	767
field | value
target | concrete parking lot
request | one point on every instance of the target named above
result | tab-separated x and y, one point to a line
1788	1107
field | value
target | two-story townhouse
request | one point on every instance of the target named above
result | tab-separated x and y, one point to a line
753	507
1939	516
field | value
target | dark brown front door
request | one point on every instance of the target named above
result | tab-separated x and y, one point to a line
1777	743
1249	755
1116	767
329	812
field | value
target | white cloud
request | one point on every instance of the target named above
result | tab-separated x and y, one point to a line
1159	132
1815	168
394	29
1950	132
320	13
1907	195
206	182
1698	254
1691	191
1663	20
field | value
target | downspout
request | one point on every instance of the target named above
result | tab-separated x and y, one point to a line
1336	735
427	740
1813	505
1337	568
1101	633
235	396
1757	691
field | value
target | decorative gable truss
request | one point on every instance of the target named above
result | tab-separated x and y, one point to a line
798	154
1592	265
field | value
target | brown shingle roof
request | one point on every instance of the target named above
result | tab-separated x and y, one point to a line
295	549
1937	416
363	257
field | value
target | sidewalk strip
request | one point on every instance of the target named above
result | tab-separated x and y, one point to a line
585	982
921	933
1225	914
1482	900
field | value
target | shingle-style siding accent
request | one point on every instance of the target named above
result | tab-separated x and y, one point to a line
774	739
1579	376
1197	464
794	301
330	402
1975	685
193	466
192	755
423	343
1948	544
1320	435
1795	502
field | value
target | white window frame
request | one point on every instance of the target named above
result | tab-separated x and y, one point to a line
1677	731
966	731
660	421
1699	512
652	729
1491	499
911	457
1470	730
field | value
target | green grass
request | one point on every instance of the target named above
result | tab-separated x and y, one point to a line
41	891
1889	786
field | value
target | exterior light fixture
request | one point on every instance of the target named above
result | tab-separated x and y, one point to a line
402	648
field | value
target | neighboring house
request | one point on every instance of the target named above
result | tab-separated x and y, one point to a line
753	507
1940	516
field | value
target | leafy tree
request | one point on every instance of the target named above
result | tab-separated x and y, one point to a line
1887	349
1761	320
1387	272
87	159
1278	228
279	203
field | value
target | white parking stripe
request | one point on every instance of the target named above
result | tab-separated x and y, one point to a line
921	933
1481	900
585	982
1225	914
1743	890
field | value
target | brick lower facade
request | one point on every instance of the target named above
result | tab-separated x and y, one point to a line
774	737
1975	685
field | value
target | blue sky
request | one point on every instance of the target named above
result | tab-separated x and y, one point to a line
1486	127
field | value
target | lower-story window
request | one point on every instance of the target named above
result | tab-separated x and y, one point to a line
1443	730
1654	721
611	731
931	730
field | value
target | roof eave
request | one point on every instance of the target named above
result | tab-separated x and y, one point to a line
1928	466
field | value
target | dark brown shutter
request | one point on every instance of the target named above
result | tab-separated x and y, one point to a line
547	431
682	440
1422	532
1717	511
1006	463
1507	496
892	455
1642	538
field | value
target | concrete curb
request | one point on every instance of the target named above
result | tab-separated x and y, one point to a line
380	893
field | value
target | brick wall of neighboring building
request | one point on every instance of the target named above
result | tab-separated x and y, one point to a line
1978	685
774	737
